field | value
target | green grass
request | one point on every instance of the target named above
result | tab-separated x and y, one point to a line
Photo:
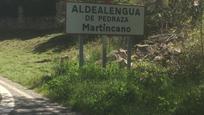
26	56
31	60
20	63
148	89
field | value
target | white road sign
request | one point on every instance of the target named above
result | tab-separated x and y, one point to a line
86	18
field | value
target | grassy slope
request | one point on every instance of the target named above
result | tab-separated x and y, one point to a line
25	59
27	56
21	62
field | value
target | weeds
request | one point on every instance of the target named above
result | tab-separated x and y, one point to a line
147	89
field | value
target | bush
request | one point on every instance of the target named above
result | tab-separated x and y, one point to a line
114	91
193	103
148	89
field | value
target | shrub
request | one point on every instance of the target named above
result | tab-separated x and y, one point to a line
148	89
112	90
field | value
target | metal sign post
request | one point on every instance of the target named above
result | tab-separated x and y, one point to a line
129	52
81	51
104	51
104	43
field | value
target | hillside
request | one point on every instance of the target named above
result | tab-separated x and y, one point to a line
26	57
167	69
38	59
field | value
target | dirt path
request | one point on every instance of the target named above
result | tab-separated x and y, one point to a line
21	101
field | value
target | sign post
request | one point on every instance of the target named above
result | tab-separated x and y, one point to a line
104	19
129	52
104	43
81	51
104	51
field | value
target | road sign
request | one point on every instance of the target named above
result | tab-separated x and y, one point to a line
86	18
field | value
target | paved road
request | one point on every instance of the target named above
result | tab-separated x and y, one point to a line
18	100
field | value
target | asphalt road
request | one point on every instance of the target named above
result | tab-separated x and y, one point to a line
17	100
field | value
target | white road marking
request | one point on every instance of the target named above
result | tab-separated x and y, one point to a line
7	103
17	90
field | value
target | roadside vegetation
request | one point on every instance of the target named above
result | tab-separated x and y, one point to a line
146	89
166	77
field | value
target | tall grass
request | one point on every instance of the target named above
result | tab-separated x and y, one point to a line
146	90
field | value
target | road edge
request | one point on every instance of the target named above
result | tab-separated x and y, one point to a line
7	102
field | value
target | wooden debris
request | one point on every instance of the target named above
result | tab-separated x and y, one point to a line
158	48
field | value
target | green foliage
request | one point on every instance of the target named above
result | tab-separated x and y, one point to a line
193	103
177	13
114	91
148	89
190	64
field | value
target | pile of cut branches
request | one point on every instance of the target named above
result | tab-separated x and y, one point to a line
162	48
